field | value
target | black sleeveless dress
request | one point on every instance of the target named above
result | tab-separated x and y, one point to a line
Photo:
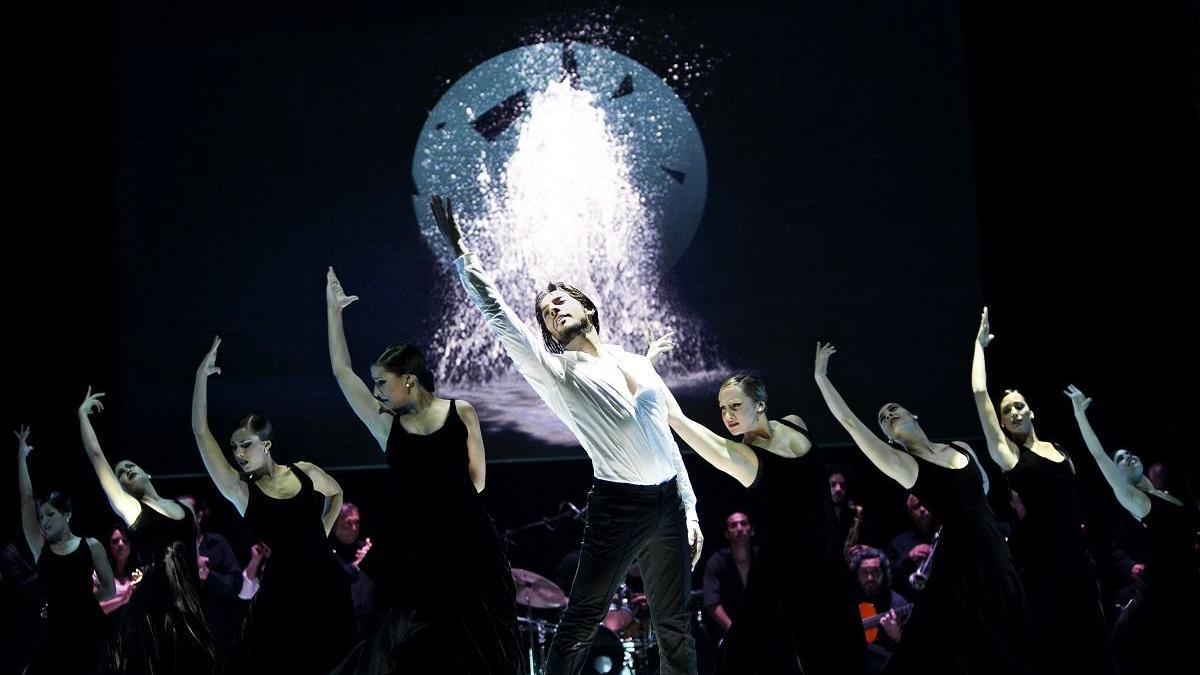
449	593
970	619
162	630
76	637
1156	632
797	614
302	618
1068	631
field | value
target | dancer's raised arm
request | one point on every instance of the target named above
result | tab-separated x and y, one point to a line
124	504
29	516
1003	452
357	393
223	474
1136	502
896	464
726	454
526	348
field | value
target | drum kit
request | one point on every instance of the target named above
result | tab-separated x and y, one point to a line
624	643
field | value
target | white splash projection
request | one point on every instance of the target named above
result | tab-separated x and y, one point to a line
577	185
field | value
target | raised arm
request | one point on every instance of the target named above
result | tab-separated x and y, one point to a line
896	464
326	485
1136	502
726	454
104	573
29	517
476	458
124	504
525	347
1001	450
223	474
357	393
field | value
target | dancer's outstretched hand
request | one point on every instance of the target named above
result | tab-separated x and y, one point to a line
335	298
984	336
209	365
824	351
1078	400
443	215
91	403
657	347
23	446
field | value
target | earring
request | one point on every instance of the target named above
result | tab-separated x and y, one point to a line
408	384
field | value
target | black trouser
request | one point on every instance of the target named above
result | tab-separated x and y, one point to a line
625	522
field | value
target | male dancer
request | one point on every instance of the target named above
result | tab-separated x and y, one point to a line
641	504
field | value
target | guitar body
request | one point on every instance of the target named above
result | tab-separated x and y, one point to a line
867	611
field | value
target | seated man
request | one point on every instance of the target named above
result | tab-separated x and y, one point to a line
726	572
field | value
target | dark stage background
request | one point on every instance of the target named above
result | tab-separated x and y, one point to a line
876	173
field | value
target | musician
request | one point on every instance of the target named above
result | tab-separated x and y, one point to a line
911	547
875	596
726	572
351	550
845	512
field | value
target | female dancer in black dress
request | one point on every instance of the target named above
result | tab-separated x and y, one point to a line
796	614
302	618
450	600
65	562
1067	626
162	629
1152	634
971	617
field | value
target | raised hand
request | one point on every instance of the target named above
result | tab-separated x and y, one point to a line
984	336
824	351
657	347
91	403
443	215
1078	400
362	552
335	297
209	365
23	446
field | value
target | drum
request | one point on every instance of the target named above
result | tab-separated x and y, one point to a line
620	614
607	655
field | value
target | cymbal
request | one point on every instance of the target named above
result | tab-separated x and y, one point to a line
536	591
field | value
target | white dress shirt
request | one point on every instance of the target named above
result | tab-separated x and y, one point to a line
625	434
